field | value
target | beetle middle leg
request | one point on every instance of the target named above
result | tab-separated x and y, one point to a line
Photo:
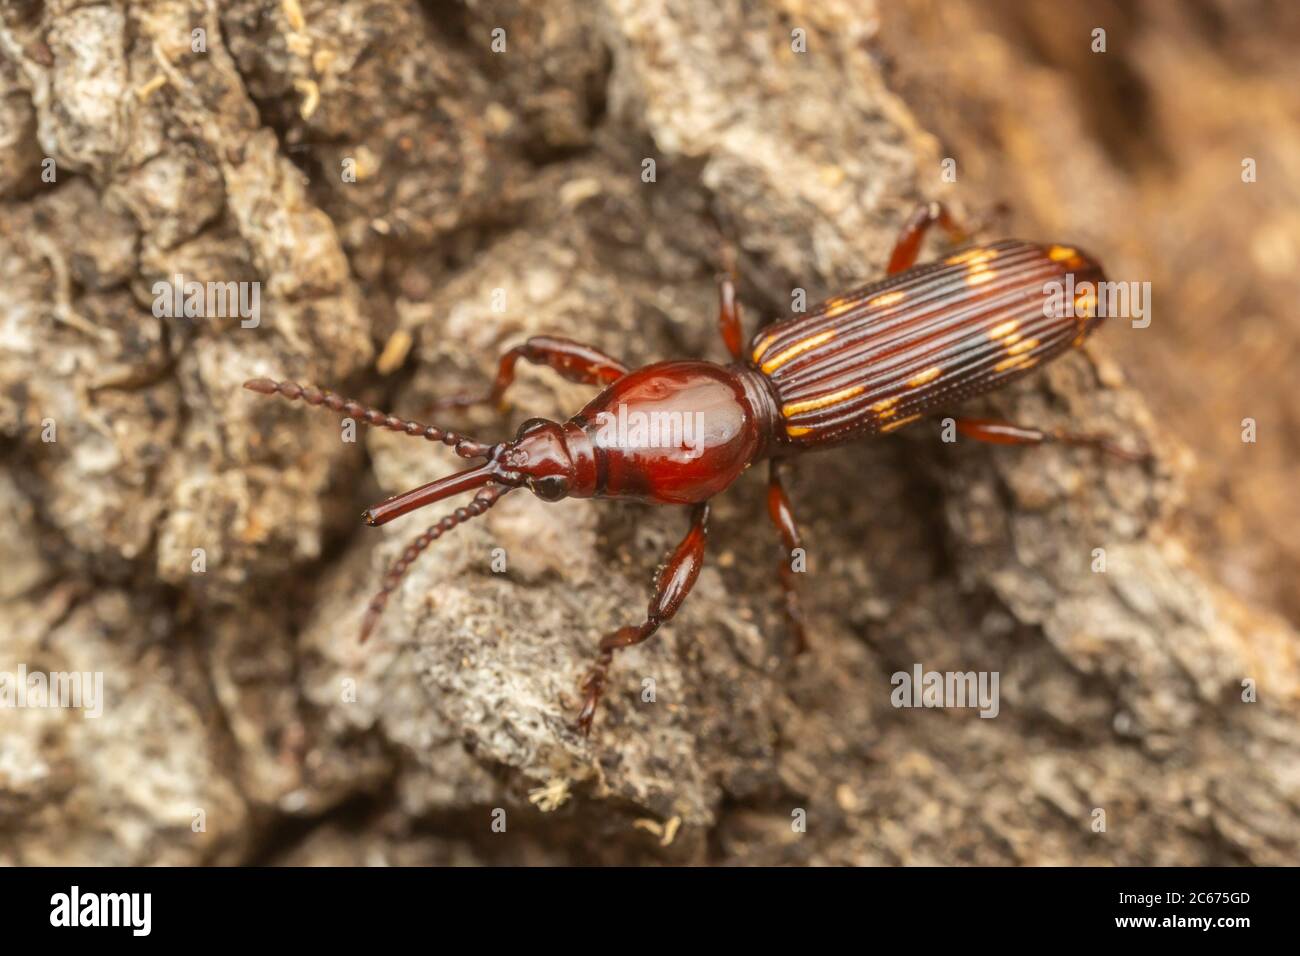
671	587
908	245
778	508
1004	433
574	361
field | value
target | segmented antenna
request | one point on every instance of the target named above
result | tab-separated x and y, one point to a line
465	447
484	500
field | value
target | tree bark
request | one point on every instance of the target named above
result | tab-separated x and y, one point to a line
413	199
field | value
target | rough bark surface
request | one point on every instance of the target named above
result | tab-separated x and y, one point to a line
483	176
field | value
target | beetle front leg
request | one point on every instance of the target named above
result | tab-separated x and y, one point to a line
574	362
778	508
671	587
908	245
1004	433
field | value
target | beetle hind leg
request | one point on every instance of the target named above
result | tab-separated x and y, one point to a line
1004	433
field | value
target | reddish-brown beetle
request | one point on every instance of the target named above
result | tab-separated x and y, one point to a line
862	364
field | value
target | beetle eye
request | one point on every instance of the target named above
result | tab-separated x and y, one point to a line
551	488
531	425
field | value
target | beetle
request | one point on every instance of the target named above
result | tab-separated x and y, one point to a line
862	364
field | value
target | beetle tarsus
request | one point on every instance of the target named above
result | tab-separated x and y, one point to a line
593	686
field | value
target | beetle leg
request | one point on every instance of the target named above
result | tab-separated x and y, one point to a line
574	361
908	245
671	587
1004	433
778	508
728	305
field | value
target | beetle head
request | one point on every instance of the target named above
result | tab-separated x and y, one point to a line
540	458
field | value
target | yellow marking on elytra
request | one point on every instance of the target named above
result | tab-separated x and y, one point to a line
1016	362
895	426
885	407
973	256
776	361
763	346
1024	346
981	274
821	401
836	307
794	431
888	298
929	375
1006	328
1067	255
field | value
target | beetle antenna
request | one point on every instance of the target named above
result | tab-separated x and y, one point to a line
484	500
465	447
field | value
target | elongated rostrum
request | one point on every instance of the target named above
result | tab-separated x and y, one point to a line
858	365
